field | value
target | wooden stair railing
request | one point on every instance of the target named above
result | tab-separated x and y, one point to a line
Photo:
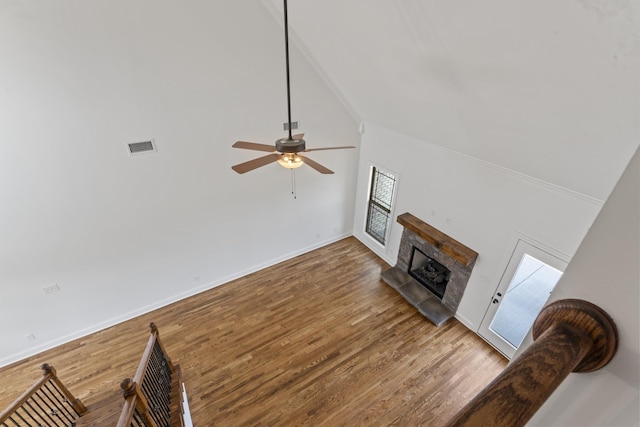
569	336
47	402
152	396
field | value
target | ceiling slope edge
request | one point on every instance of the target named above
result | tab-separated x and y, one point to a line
276	12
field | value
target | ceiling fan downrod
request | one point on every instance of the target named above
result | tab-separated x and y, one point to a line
286	48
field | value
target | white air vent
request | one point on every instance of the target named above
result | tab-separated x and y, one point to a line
141	147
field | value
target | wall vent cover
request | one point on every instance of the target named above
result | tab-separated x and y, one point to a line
141	147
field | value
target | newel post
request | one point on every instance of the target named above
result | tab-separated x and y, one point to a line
569	336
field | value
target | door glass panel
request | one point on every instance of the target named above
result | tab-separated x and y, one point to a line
527	293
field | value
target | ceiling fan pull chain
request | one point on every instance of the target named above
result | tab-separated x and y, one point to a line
293	183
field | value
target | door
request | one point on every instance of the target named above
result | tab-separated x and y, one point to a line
526	284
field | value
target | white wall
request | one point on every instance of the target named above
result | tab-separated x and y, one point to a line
480	204
606	271
123	234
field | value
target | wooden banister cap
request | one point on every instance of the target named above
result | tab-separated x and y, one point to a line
48	370
587	317
128	387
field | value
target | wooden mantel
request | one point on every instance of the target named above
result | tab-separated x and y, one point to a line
444	243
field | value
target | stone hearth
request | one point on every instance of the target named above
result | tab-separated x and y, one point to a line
458	258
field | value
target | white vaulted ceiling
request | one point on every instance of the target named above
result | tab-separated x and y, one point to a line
546	88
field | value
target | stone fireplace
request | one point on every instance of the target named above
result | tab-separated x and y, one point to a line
432	270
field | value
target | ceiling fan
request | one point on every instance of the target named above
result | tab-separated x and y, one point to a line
286	151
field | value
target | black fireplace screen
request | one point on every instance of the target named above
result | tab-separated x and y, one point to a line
429	272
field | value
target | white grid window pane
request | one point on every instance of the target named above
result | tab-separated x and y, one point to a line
382	191
380	200
377	223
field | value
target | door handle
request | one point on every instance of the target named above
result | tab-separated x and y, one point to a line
495	299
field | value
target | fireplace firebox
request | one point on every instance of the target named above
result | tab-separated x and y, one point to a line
429	272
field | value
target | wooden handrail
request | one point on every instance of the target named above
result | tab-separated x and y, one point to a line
49	374
146	355
141	402
75	402
154	330
570	336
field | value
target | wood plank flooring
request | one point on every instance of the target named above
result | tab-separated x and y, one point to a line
315	340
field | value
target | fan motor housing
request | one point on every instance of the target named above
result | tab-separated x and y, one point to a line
286	145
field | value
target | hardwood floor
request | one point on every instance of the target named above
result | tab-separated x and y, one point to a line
315	340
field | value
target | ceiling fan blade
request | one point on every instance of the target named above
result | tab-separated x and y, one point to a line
256	163
329	148
254	146
298	136
317	166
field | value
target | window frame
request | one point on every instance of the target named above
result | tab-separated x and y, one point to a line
373	170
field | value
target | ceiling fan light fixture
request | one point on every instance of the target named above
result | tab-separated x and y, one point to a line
291	162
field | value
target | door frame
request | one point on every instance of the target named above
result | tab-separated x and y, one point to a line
521	245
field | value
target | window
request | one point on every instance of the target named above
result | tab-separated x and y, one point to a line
380	202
